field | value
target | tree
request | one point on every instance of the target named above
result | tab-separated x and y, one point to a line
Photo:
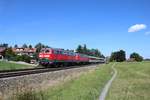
24	46
9	54
15	46
136	56
121	56
4	45
46	46
97	53
90	52
84	49
118	56
39	46
30	46
113	56
79	49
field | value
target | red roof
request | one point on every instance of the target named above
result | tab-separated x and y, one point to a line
24	50
2	49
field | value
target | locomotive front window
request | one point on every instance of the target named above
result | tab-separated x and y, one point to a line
47	51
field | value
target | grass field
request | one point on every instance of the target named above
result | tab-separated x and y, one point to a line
132	82
86	87
10	66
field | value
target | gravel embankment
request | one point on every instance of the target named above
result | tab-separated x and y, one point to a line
40	81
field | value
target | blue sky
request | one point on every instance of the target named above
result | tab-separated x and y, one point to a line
102	24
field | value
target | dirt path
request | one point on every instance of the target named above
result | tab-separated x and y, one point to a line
107	86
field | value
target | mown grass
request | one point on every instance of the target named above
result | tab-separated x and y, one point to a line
10	66
132	82
85	87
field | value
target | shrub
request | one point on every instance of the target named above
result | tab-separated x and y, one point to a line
136	56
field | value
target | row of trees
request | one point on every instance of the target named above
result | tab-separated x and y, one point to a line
91	52
120	56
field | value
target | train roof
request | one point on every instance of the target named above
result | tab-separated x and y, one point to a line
95	57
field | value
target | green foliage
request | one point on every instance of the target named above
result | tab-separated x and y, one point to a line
118	56
4	45
84	49
30	46
39	46
136	56
9	54
79	49
24	58
24	46
15	46
90	52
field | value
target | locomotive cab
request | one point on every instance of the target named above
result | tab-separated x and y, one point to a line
45	56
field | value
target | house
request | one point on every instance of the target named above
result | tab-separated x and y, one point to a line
24	51
2	50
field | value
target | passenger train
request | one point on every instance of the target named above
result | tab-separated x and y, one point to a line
59	57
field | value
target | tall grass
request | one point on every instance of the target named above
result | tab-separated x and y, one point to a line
28	94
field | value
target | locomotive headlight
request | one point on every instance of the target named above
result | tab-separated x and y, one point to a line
40	55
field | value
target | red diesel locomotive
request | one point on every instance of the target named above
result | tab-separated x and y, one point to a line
61	57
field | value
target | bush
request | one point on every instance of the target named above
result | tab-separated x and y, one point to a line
136	56
24	58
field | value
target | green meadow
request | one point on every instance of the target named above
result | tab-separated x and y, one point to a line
132	82
10	66
86	87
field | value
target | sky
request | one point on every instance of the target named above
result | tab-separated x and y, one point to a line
109	25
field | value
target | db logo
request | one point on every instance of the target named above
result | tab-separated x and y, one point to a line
46	55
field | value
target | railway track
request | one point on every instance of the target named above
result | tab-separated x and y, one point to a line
21	72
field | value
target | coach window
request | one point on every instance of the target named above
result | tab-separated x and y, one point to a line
60	52
55	51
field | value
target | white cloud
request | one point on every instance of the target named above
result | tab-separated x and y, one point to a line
147	33
137	27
